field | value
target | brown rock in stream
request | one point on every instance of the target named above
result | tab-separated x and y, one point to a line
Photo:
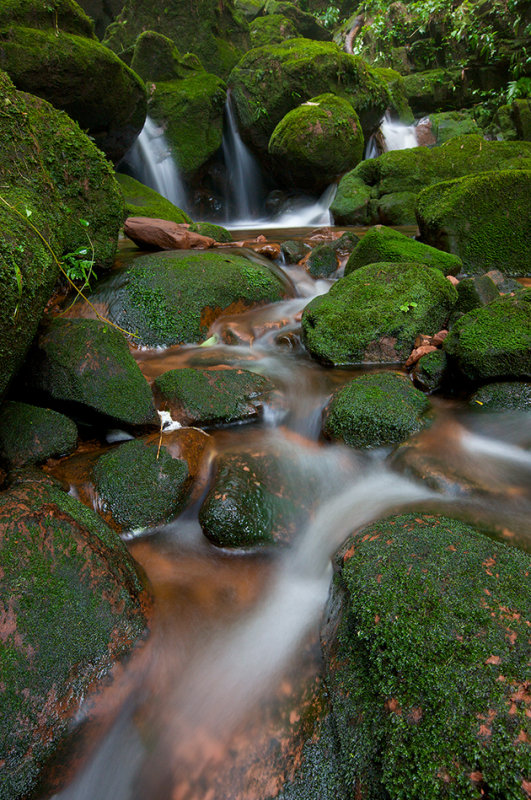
162	234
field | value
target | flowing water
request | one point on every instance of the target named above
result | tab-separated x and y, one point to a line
216	709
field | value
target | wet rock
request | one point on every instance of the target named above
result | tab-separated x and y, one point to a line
141	485
272	29
474	292
452	216
412	593
493	342
430	370
374	314
212	396
363	193
293	251
322	262
73	603
505	285
29	434
141	201
160	234
376	409
171	298
85	364
385	244
508	396
216	232
417	354
448	124
317	141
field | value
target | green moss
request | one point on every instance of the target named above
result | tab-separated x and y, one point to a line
249	9
161	484
322	262
399	102
306	24
430	370
141	201
436	90
494	342
430	655
171	298
377	409
293	251
62	15
475	292
216	232
29	434
317	141
449	124
509	396
386	244
156	58
484	219
272	29
360	320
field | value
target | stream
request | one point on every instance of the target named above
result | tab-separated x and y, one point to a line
223	698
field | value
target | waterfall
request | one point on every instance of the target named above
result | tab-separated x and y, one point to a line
151	162
245	187
391	136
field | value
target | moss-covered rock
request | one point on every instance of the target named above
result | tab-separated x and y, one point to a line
474	292
85	364
317	141
430	371
307	25
399	103
484	219
374	314
378	409
141	201
385	244
362	193
216	232
63	15
437	90
249	9
171	298
270	81
448	124
493	342
80	76
216	33
427	648
507	396
212	396
73	602
322	261
29	434
293	251
160	489
157	58
272	29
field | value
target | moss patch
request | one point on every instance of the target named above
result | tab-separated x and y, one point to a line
386	244
29	434
509	396
141	201
272	29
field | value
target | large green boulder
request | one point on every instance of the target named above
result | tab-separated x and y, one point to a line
272	29
493	342
437	90
72	604
78	75
375	314
502	396
270	81
52	178
65	15
172	298
386	244
427	649
316	142
364	193
381	408
215	32
85	365
448	124
484	219
29	434
141	201
307	25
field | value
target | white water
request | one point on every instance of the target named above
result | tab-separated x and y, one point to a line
245	186
391	136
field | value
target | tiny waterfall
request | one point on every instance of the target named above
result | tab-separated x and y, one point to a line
391	136
245	187
151	162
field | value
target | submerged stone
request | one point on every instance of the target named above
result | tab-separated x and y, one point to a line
29	434
377	409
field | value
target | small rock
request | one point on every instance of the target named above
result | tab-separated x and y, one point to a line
418	352
164	235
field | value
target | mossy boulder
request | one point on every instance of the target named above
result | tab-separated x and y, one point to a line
430	371
322	261
317	141
212	396
81	77
361	195
378	409
437	90
484	219
65	15
307	25
426	643
52	177
29	434
85	365
448	124
216	33
270	81
156	495
385	244
294	250
157	58
502	396
141	201
474	292
172	298
399	104
249	9
374	314
73	603
493	342
272	29
216	232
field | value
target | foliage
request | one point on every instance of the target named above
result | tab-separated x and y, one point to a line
518	88
329	17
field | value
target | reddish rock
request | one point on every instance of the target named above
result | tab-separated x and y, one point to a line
418	352
453	280
162	234
439	338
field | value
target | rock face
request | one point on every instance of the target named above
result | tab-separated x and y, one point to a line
484	219
493	342
375	314
270	81
317	141
76	74
173	297
272	29
54	176
385	244
376	409
72	604
216	33
384	189
85	364
29	434
426	648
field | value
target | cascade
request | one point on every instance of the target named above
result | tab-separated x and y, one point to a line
245	186
391	136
